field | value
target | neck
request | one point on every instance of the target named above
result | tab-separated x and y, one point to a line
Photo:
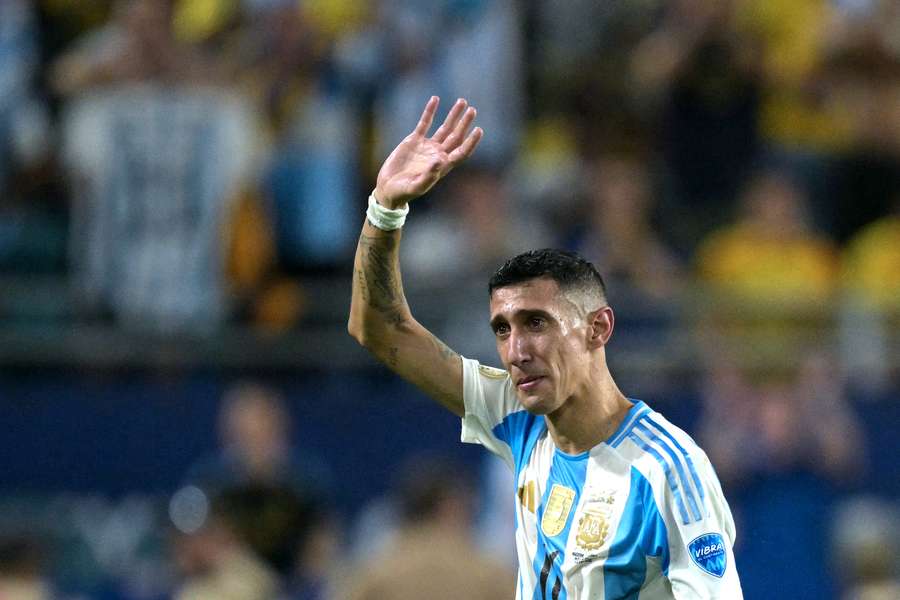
589	416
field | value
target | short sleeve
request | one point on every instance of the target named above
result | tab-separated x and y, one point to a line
700	549
489	401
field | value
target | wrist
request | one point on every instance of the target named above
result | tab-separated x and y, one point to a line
384	200
384	218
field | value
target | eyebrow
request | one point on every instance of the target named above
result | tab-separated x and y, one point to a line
522	313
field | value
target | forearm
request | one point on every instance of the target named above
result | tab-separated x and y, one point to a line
380	319
378	302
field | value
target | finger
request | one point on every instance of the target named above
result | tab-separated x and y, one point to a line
459	132
468	146
450	122
427	116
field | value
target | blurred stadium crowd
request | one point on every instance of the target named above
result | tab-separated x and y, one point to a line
175	170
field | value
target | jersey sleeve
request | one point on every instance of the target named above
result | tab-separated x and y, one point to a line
489	403
700	534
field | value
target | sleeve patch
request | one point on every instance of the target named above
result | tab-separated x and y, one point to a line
708	552
491	372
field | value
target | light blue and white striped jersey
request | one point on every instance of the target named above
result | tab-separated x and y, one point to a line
639	516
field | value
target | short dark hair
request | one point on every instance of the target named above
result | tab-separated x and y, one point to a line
569	270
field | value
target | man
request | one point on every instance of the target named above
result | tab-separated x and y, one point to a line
433	554
613	501
274	494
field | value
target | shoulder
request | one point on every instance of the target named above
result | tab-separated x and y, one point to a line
494	417
659	449
660	427
683	480
490	372
488	391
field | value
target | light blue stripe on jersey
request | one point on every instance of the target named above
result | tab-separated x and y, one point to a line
673	485
520	431
634	413
687	458
641	533
568	471
685	484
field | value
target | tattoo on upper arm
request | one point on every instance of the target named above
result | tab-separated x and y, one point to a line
379	279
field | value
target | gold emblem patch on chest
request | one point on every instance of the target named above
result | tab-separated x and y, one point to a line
528	496
556	512
593	527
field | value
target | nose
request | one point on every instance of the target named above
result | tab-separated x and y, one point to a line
519	351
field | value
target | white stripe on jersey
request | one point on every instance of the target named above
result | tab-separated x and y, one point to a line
639	516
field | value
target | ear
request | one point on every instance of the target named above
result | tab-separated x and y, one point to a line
601	323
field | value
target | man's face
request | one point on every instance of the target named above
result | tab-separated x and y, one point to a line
542	338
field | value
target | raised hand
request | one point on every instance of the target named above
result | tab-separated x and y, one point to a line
419	161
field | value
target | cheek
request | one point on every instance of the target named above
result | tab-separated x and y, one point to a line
556	359
569	357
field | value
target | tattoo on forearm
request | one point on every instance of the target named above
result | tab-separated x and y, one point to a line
393	357
361	285
379	280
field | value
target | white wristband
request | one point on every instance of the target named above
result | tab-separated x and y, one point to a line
387	219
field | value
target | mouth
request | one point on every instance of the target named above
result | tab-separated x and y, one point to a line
529	383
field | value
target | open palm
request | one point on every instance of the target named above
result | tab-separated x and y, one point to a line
419	161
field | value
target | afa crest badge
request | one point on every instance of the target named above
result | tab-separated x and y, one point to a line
708	552
593	527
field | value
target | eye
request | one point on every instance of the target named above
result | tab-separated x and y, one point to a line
536	322
501	329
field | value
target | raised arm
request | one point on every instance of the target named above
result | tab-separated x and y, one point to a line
380	318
